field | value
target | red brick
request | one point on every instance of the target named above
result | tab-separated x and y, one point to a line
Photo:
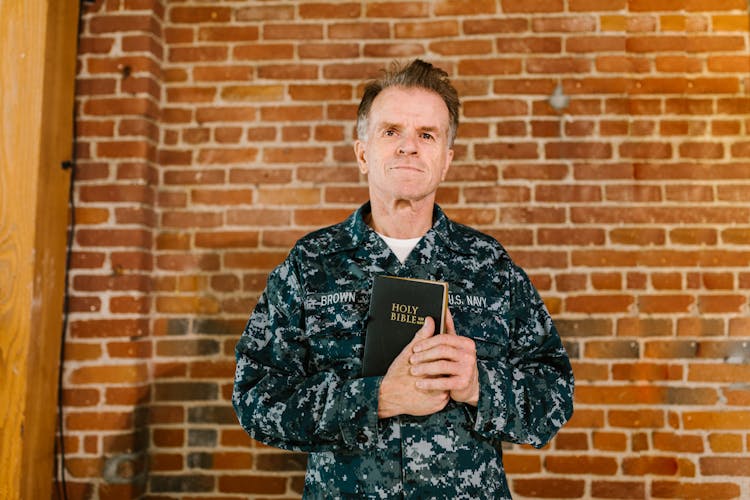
506	150
92	421
122	23
701	5
252	484
646	371
618	489
739	326
497	194
718	373
227	33
322	10
699	490
168	438
260	51
609	441
700	327
549	488
578	150
395	50
226	155
95	45
191	94
166	462
199	14
645	395
320	92
296	31
725	466
498	107
293	154
581	465
730	22
257	260
359	30
521	464
292	113
681	443
620	349
604	258
566	441
464	7
299	196
221	73
81	397
528	6
596	5
497	66
562	24
426	29
725	443
397	9
665	303
545	128
571	237
716	420
665	466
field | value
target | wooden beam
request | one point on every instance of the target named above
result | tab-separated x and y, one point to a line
37	74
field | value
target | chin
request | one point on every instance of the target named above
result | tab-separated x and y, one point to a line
410	196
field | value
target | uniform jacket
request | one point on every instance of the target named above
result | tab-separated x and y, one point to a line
298	382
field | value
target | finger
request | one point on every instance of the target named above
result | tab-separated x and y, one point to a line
438	352
450	327
456	341
439	368
441	383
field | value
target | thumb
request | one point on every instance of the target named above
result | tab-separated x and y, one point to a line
428	328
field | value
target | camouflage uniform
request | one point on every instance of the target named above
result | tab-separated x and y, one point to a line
298	384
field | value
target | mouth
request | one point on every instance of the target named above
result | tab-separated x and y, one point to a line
412	168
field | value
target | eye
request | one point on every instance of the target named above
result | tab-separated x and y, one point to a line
389	132
427	136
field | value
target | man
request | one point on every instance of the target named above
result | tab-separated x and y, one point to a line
432	427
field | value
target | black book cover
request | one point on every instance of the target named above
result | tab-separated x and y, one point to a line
398	307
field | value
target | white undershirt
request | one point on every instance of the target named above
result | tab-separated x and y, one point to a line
402	248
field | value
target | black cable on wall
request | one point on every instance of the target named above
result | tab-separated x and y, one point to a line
61	487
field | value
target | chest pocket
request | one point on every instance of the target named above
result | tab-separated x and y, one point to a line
489	330
334	329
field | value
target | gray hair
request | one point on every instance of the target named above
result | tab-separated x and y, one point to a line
418	74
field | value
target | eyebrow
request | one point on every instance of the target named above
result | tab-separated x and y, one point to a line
390	125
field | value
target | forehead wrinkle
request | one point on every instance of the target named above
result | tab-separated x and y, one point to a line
383	111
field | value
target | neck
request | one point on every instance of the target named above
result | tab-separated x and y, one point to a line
402	219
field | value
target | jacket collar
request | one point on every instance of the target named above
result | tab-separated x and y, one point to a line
353	232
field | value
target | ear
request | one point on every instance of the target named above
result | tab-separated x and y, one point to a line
359	152
447	166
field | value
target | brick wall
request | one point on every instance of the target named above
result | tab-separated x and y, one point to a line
211	135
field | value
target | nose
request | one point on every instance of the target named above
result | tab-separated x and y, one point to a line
408	145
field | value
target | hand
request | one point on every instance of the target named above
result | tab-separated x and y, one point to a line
447	362
399	392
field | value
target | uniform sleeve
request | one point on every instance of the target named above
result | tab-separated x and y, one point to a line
526	396
277	402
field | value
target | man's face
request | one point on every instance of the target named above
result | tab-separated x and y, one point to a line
405	154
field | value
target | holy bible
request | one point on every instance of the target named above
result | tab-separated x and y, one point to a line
398	308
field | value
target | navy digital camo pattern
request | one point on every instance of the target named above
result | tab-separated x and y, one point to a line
298	384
